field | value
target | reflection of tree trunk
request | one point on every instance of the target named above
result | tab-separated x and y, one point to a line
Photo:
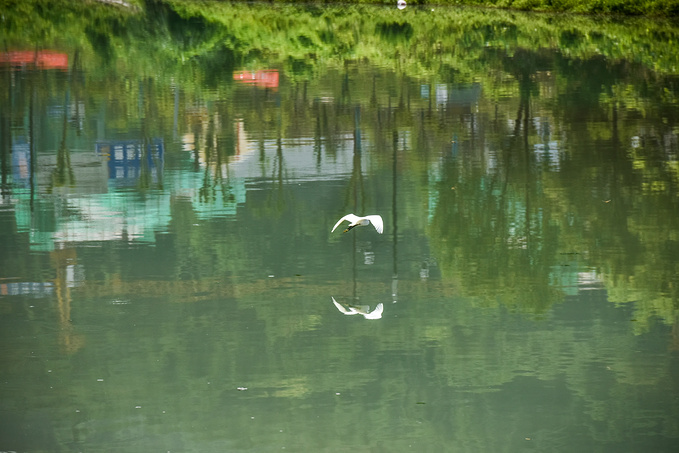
357	186
525	100
353	266
145	154
31	147
279	163
69	341
394	279
520	150
6	137
278	167
63	174
5	166
620	167
674	343
318	136
175	117
357	170
345	97
206	191
276	195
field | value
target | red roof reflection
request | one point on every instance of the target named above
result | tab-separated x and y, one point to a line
265	78
40	59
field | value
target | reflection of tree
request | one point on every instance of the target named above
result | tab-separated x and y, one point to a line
63	175
511	194
69	341
355	187
623	197
5	133
394	213
216	141
277	192
489	219
355	194
147	114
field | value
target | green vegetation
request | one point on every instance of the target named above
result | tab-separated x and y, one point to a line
218	36
621	7
587	7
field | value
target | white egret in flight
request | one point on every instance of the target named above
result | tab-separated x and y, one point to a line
363	310
355	221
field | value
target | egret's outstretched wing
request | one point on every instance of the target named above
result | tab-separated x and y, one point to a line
340	307
376	220
350	217
376	313
363	310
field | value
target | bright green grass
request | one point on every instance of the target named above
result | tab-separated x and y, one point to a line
622	7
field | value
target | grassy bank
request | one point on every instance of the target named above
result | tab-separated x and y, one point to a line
655	8
613	7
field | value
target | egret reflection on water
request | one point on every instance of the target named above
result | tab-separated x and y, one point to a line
355	221
363	310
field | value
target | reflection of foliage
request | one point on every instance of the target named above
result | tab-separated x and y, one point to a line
394	32
515	62
631	7
182	36
520	200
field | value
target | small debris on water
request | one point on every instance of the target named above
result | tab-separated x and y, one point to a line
242	389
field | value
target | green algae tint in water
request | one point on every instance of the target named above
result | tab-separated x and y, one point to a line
167	269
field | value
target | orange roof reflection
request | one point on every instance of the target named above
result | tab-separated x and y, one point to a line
41	59
265	78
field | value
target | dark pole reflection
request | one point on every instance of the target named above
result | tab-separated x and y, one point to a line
357	187
394	213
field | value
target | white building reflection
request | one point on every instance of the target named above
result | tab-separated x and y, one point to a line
97	205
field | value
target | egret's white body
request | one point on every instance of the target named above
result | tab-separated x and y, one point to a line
355	221
363	310
401	4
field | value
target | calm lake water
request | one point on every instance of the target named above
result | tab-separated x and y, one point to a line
168	274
